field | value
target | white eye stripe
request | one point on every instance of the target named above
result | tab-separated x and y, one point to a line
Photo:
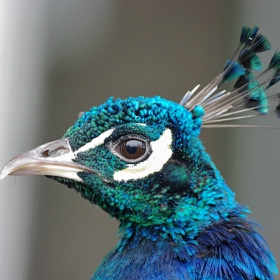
161	153
99	140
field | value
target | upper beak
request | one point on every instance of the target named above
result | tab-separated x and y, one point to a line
54	158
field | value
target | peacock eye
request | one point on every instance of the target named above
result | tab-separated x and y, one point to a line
132	149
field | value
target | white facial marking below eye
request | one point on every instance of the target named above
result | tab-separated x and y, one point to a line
99	140
161	153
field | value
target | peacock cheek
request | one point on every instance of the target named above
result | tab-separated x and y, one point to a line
102	161
174	180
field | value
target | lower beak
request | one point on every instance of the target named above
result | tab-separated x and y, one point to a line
54	159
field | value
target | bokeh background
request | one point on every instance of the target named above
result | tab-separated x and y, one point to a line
58	58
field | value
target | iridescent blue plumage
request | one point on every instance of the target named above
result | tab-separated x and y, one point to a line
141	161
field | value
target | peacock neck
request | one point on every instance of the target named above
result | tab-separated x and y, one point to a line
220	249
148	260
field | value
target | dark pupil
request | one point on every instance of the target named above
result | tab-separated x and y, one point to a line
133	148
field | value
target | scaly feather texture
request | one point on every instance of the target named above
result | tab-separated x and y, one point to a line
141	161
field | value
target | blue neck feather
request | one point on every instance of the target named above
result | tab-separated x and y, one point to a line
227	250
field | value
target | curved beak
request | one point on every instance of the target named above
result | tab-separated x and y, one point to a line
54	159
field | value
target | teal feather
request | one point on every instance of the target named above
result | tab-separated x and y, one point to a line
245	34
233	70
259	44
275	61
275	79
251	61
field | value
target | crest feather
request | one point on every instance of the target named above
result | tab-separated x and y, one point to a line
249	91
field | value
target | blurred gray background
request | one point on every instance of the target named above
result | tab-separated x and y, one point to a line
62	57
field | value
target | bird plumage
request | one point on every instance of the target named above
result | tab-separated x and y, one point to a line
141	161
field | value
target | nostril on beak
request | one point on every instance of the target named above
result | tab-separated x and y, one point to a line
55	149
59	151
45	153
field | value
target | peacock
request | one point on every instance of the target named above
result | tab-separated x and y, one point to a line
141	161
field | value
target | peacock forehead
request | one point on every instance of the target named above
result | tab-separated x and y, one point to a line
154	111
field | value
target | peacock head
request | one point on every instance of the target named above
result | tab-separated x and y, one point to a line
140	159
